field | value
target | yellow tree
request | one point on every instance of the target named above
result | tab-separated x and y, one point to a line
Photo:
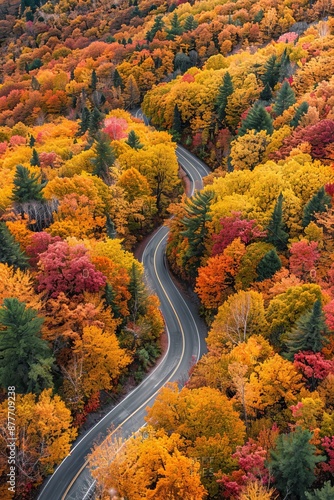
18	284
134	184
195	413
149	465
275	381
241	316
102	359
44	434
286	308
162	172
248	150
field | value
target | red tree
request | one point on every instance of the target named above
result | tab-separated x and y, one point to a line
313	366
64	268
304	255
320	136
251	459
235	227
39	244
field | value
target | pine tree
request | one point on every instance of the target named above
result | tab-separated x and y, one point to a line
175	28
32	141
10	252
309	332
293	463
284	66
190	24
104	158
138	301
157	26
284	99
324	493
268	265
110	228
259	16
276	227
133	141
257	119
34	162
299	113
224	91
229	165
271	73
195	222
27	186
95	120
85	118
109	297
177	122
93	81
320	202
26	358
118	82
266	93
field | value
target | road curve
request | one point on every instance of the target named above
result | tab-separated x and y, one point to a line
71	480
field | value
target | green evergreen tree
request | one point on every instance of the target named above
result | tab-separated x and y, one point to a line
257	119
109	298
177	122
133	141
268	265
284	99
32	141
26	359
84	124
271	72
284	66
175	28
276	229
266	93
157	26
27	186
182	62
320	202
10	251
293	463
138	301
34	162
196	230
118	82
190	24
93	80
299	113
324	493
224	91
309	333
95	120
229	165
110	228
258	16
104	158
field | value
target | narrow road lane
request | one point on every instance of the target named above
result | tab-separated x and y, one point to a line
72	480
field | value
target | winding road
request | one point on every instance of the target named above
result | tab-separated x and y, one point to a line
72	480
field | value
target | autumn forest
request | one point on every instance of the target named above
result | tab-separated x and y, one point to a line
246	86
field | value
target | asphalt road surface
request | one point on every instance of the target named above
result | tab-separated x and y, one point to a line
72	480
